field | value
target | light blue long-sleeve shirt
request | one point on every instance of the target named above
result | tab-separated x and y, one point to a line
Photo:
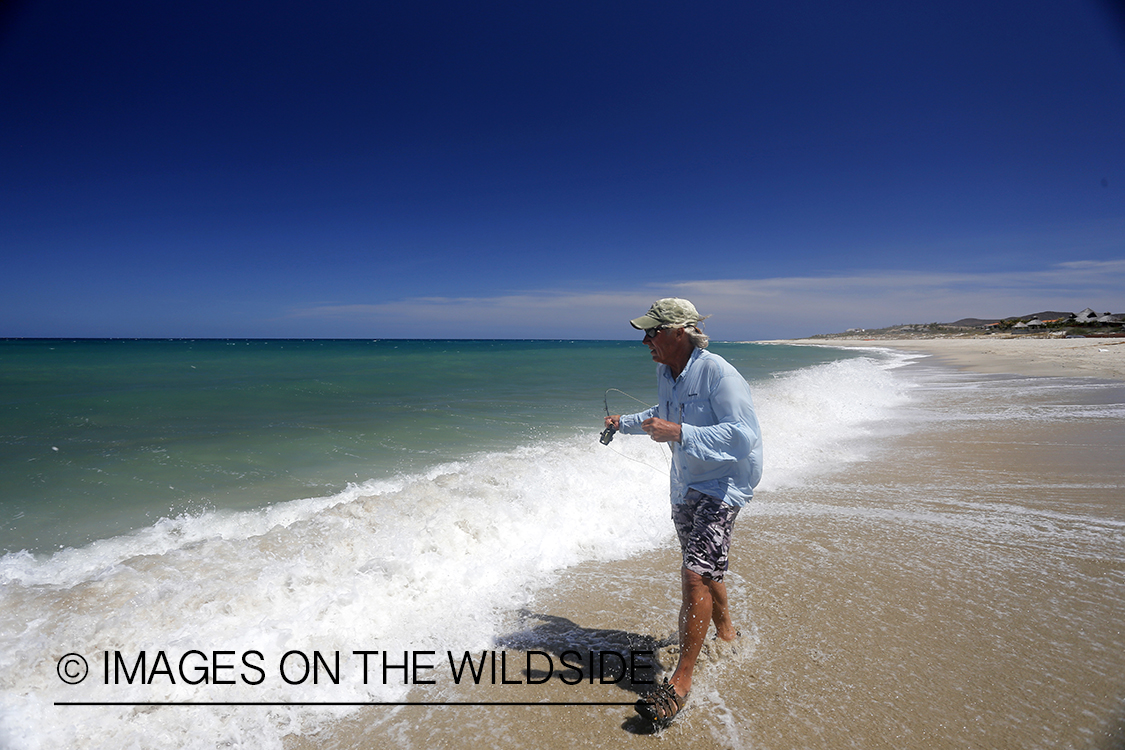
720	448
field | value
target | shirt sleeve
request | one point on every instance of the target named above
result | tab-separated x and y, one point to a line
735	433
631	423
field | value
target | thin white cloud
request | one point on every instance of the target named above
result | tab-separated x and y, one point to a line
747	308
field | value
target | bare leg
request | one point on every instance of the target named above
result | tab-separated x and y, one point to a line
720	614
703	601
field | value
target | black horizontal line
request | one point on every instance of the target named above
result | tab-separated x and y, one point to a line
336	703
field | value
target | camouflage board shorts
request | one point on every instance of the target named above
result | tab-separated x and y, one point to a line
704	525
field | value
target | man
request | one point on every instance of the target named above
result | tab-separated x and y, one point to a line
707	416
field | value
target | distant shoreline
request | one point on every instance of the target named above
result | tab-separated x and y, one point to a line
1033	355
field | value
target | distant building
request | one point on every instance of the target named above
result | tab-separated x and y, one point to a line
1089	317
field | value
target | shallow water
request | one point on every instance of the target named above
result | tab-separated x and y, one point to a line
432	553
960	585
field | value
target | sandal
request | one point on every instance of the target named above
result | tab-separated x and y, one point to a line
661	705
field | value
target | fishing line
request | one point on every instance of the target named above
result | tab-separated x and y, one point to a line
607	434
605	398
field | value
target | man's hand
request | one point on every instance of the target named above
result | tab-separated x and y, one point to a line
661	430
613	421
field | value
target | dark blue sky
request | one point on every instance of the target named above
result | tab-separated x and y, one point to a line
548	169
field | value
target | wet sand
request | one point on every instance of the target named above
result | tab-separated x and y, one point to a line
963	587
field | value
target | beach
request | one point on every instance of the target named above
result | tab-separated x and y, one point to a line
963	586
935	559
1021	355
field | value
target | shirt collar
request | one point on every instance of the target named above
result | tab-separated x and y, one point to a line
695	355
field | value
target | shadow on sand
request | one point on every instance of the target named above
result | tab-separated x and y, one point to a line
573	654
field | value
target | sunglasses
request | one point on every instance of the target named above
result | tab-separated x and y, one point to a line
650	333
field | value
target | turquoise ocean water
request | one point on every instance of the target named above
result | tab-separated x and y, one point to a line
101	437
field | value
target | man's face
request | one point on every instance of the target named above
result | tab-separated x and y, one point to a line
664	345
